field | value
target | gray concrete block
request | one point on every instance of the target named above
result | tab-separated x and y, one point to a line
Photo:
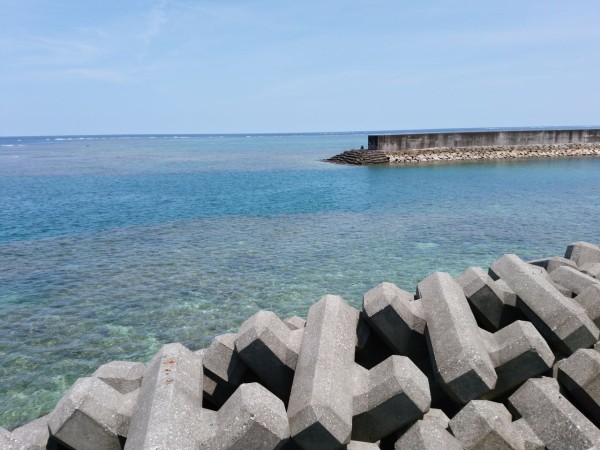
224	370
488	299
583	253
295	322
545	275
90	416
552	417
267	345
518	352
370	348
562	322
169	412
121	375
9	442
320	407
427	435
580	374
34	435
390	396
552	263
572	279
222	359
357	445
438	416
591	269
460	361
482	424
530	439
397	318
252	419
589	300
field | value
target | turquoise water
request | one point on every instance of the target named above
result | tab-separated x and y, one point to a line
113	246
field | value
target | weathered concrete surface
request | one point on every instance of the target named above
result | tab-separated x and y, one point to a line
552	263
169	412
518	352
427	435
551	417
583	253
8	441
591	269
438	416
389	396
224	370
589	300
562	322
482	424
460	360
90	416
530	439
415	141
320	407
572	279
252	419
580	374
34	435
123	376
268	346
492	303
357	445
397	318
295	322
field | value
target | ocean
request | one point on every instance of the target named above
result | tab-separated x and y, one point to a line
111	246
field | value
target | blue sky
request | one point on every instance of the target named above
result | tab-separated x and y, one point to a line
182	66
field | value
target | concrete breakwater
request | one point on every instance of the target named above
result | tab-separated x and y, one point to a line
505	358
489	138
475	153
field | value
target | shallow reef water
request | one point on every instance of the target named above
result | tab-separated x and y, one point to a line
111	246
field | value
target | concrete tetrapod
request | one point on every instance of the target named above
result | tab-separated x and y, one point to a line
589	300
427	435
482	425
562	322
123	376
461	363
492	303
169	413
268	346
391	395
92	415
251	419
580	374
320	407
8	441
552	417
553	263
397	318
224	370
573	279
34	434
583	253
518	353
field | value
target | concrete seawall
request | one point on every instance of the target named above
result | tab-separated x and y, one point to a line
417	141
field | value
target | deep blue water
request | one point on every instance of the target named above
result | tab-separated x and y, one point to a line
113	246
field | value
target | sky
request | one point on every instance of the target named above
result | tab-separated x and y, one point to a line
259	66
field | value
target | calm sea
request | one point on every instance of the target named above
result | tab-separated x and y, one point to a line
111	246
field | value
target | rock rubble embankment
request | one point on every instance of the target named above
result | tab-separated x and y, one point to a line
452	154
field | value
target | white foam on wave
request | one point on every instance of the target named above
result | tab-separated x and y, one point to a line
7	145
